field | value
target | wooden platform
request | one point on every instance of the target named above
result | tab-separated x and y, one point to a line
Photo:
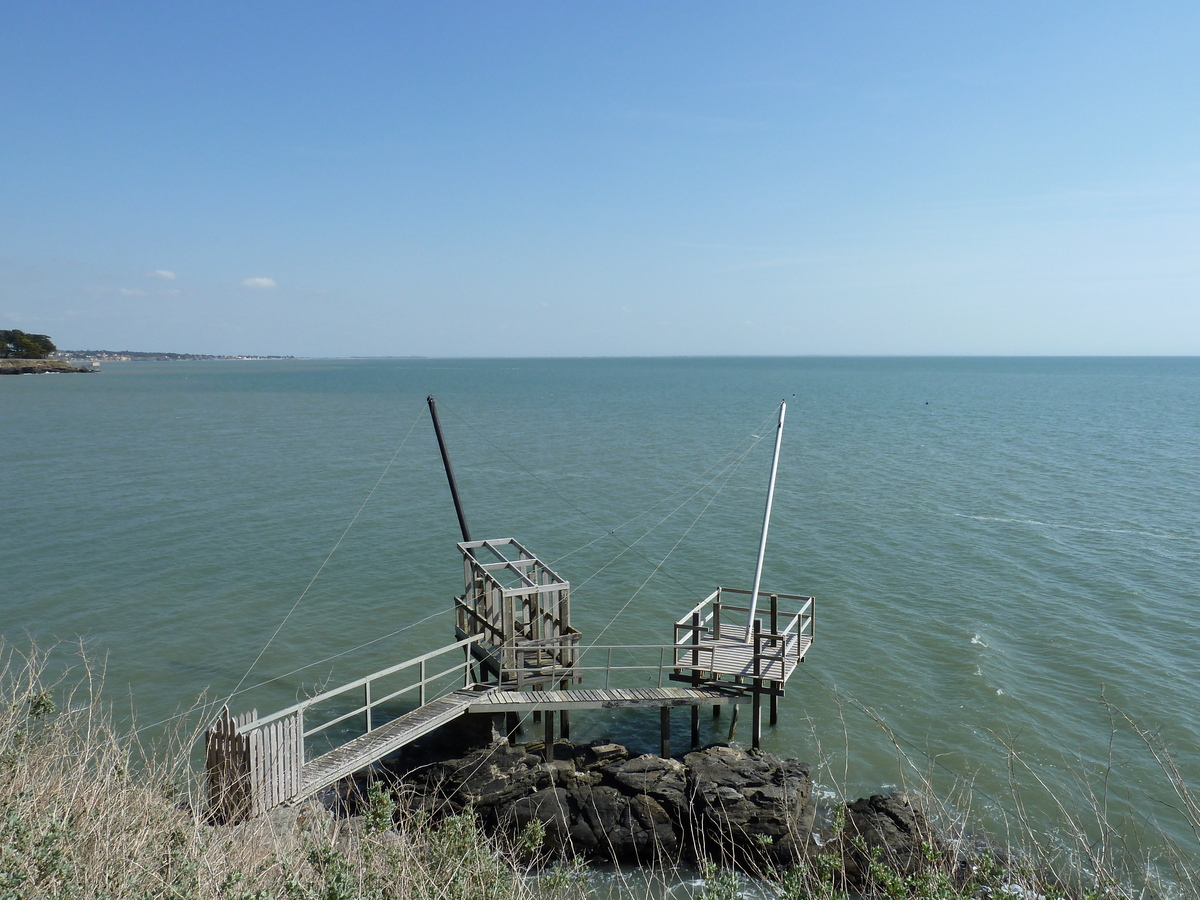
733	654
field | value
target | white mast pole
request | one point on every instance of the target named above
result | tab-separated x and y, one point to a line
762	544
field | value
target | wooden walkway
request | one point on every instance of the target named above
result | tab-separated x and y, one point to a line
613	698
373	746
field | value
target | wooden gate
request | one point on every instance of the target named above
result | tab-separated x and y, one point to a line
251	770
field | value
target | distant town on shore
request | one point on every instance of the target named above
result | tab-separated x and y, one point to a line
127	355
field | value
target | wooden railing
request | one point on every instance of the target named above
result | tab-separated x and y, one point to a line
254	762
773	635
420	686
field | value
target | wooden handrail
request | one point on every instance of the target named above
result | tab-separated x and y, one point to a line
341	689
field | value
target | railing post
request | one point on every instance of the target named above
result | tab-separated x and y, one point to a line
608	669
717	616
367	707
421	691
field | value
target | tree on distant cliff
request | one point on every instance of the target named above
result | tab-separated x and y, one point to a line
19	345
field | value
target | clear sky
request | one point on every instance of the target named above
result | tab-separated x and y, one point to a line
546	179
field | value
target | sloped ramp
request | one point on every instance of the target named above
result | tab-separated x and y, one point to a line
373	746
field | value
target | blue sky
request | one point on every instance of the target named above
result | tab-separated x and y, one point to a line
545	179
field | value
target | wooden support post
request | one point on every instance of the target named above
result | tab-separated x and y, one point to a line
756	713
564	718
549	735
513	724
733	716
665	727
774	707
696	678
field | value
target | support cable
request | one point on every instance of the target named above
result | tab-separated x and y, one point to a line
722	462
212	704
732	469
320	569
607	532
627	547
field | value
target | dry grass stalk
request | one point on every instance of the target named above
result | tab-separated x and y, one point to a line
87	812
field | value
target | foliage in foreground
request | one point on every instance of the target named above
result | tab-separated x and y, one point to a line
85	811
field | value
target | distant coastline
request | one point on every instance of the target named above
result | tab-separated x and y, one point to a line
11	366
130	355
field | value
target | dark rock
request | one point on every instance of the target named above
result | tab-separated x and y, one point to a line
607	752
749	808
554	809
891	828
594	801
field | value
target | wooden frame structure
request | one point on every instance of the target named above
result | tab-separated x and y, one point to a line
519	612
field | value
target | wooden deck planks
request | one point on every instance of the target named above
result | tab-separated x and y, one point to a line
366	749
374	745
733	656
612	698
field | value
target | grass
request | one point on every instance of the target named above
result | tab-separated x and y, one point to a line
87	811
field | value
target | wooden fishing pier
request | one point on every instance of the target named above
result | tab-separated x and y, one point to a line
516	656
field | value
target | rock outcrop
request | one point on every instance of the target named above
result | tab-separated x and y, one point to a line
10	366
743	807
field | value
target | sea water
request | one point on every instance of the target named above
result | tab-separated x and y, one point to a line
1005	552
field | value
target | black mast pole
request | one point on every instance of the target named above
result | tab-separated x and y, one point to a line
437	427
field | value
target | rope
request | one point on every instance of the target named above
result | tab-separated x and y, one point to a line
610	532
731	469
630	546
303	593
720	462
212	704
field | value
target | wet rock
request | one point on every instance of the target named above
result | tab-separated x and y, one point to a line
597	802
748	807
890	828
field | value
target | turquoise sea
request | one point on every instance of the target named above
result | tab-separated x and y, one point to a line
1005	552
